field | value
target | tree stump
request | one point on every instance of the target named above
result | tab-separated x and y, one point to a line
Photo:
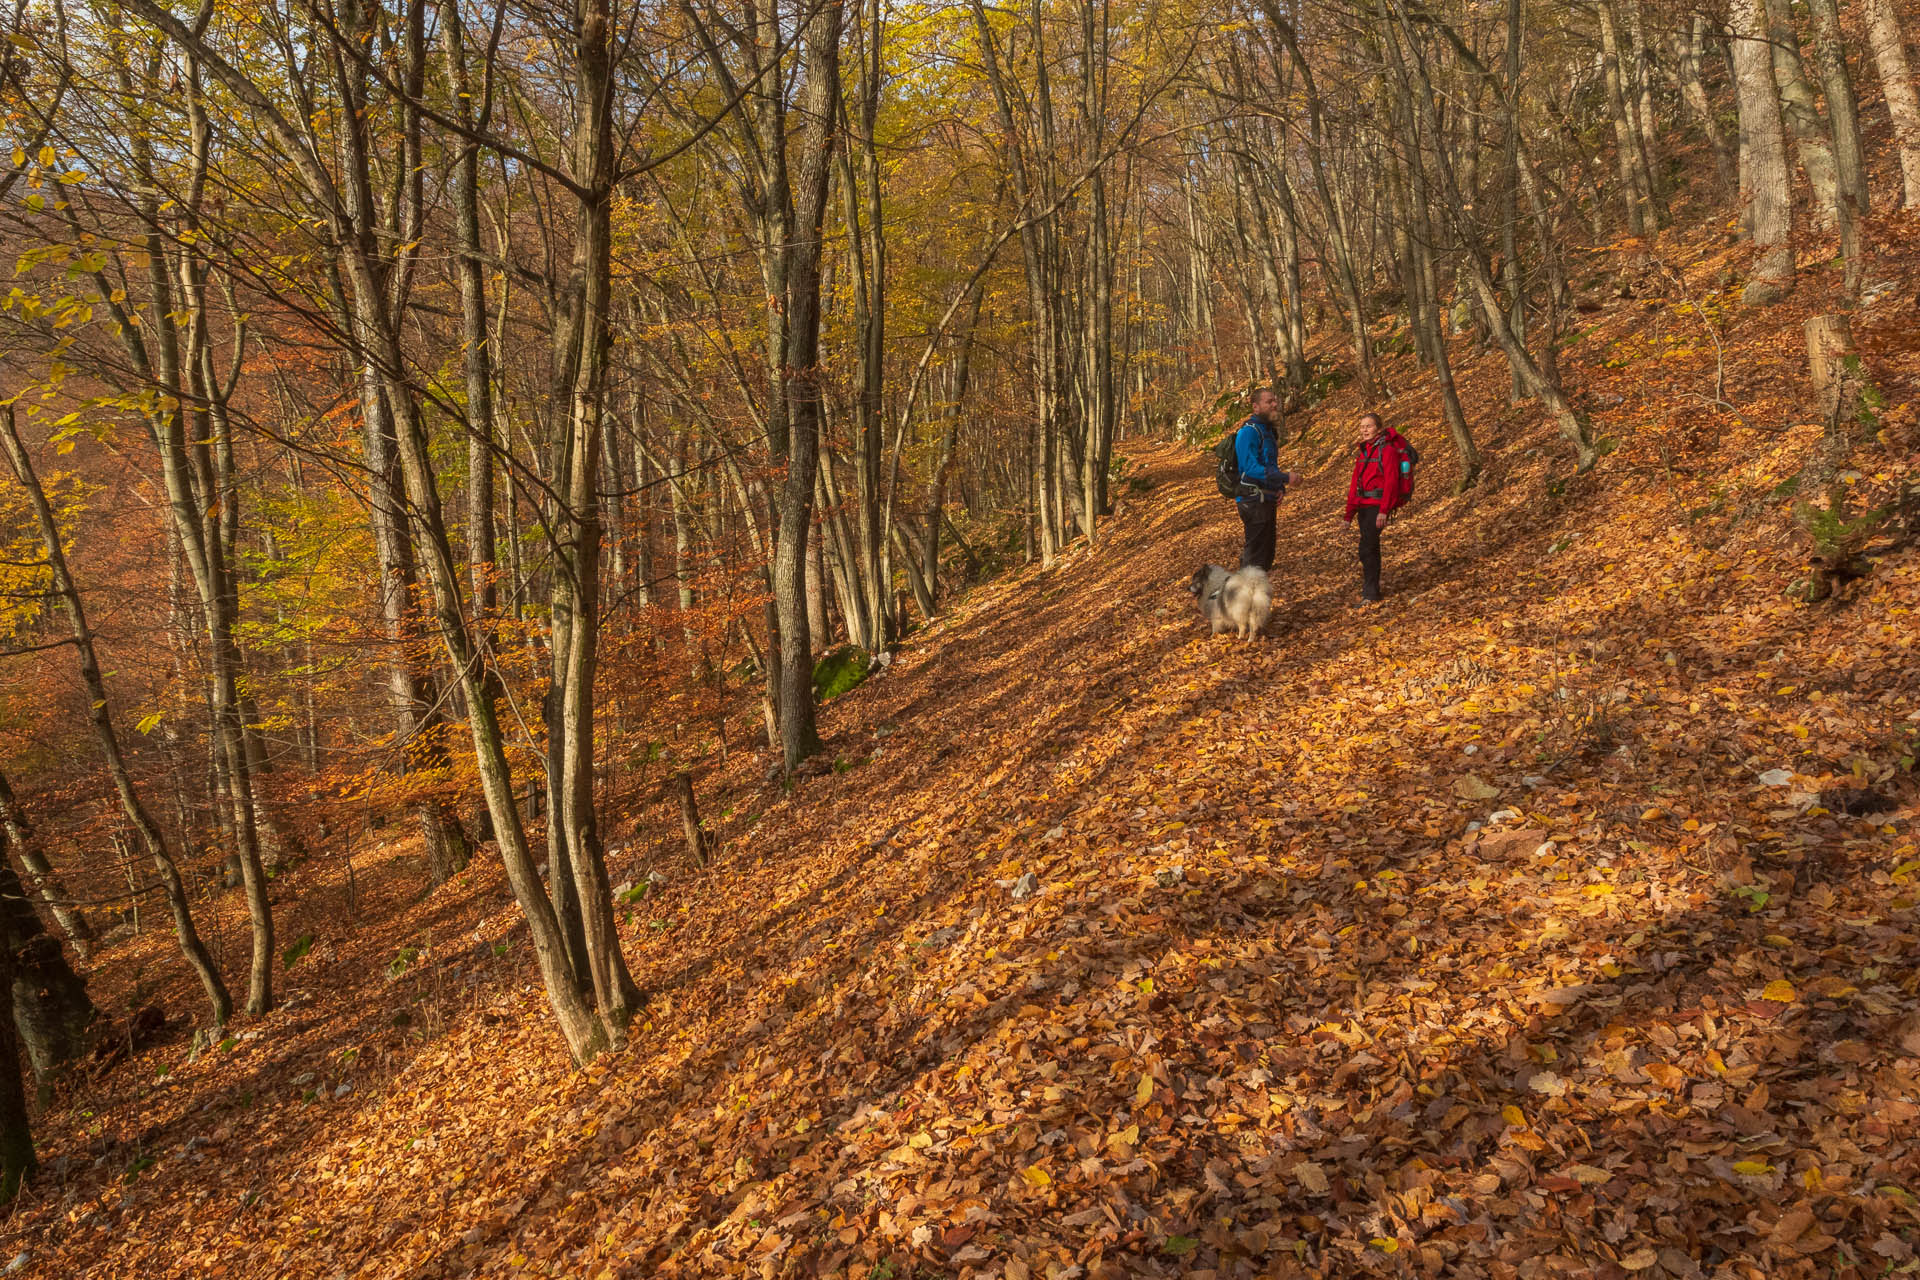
682	786
1834	372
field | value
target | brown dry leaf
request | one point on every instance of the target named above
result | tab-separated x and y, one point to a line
1312	1178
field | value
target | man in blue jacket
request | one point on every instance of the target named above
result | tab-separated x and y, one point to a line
1262	483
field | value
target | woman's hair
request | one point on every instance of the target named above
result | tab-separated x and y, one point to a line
1378	421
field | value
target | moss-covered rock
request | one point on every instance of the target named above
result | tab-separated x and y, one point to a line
839	671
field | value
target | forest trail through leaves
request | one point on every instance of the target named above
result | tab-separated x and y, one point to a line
1273	1007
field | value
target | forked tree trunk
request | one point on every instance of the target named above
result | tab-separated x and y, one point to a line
1689	49
1800	110
1626	133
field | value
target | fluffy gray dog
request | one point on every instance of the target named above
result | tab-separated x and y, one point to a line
1239	601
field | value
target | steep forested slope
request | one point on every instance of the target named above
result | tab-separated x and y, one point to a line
1555	917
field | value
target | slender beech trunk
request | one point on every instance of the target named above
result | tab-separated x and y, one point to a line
1346	277
1646	125
866	260
1513	275
818	105
1634	192
476	342
582	346
1888	43
201	506
1026	172
1843	107
1423	238
949	448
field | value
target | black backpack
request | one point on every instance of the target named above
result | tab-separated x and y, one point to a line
1226	470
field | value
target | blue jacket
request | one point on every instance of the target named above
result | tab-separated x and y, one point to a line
1259	456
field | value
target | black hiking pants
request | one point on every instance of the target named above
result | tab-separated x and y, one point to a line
1368	520
1257	519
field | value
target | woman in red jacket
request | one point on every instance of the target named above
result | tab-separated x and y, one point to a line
1382	479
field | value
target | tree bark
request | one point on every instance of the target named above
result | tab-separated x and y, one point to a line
1843	107
1800	110
1888	43
819	99
51	1008
583	339
1634	192
1834	372
690	827
17	1162
1764	188
1689	48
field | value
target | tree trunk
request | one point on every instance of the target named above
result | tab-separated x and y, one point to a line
1800	110
355	239
819	104
581	348
1764	188
1571	423
1513	275
1646	126
51	1008
1843	108
690	827
17	1162
1888	43
1689	48
1637	198
1834	373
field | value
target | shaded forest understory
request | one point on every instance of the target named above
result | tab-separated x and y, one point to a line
1277	1005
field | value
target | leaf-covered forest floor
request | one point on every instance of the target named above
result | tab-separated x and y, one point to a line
1278	1005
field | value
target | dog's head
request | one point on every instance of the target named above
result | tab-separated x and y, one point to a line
1197	584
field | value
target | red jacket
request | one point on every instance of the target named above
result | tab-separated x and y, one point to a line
1381	468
